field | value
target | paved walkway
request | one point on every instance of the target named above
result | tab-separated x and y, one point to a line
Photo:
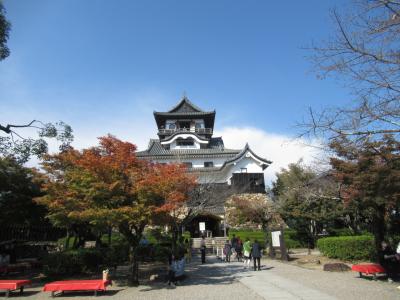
276	281
279	280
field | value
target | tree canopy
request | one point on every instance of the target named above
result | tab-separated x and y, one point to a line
108	186
18	187
364	53
307	201
5	27
370	179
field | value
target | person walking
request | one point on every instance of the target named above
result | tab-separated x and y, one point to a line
227	251
247	253
239	249
256	254
203	249
188	252
389	260
234	241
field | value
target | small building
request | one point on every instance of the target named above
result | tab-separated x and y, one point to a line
185	135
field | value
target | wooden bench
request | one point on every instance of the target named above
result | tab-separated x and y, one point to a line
368	269
12	285
76	285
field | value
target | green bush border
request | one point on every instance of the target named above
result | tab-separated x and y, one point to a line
359	247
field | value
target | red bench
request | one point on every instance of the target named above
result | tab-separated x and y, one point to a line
368	269
76	285
12	285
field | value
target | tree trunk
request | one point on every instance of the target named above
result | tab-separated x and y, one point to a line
379	229
75	243
109	236
134	274
66	245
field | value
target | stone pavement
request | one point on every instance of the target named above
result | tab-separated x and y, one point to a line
279	280
274	287
231	281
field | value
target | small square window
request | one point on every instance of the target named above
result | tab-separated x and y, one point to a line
187	142
208	164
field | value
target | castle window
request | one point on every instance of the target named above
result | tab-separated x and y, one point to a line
171	126
186	142
243	170
208	164
184	125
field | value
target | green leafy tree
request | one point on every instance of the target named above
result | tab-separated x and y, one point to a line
370	178
14	144
18	187
307	202
5	27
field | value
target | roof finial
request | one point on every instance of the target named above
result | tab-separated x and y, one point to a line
184	95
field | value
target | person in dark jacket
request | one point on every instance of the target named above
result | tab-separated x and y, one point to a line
203	249
234	241
256	254
227	251
239	249
389	260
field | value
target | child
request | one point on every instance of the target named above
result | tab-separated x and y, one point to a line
176	270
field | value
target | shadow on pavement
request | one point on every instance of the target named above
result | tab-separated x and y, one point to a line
87	293
15	294
213	272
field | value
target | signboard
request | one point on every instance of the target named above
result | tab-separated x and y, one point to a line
89	244
275	238
202	226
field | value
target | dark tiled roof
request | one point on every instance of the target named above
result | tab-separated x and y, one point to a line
191	113
215	149
245	149
185	105
185	109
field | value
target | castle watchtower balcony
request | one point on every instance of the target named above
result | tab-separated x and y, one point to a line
185	118
165	132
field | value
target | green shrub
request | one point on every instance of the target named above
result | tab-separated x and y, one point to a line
292	238
118	253
186	235
161	252
348	247
341	232
78	261
251	234
292	244
61	263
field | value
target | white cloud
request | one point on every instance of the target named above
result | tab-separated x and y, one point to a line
280	149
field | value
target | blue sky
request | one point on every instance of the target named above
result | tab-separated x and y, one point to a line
104	66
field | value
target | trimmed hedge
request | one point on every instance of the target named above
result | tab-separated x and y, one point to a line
292	238
359	247
251	234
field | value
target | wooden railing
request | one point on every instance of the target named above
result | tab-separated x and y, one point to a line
163	131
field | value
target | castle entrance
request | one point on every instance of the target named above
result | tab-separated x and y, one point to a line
213	225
